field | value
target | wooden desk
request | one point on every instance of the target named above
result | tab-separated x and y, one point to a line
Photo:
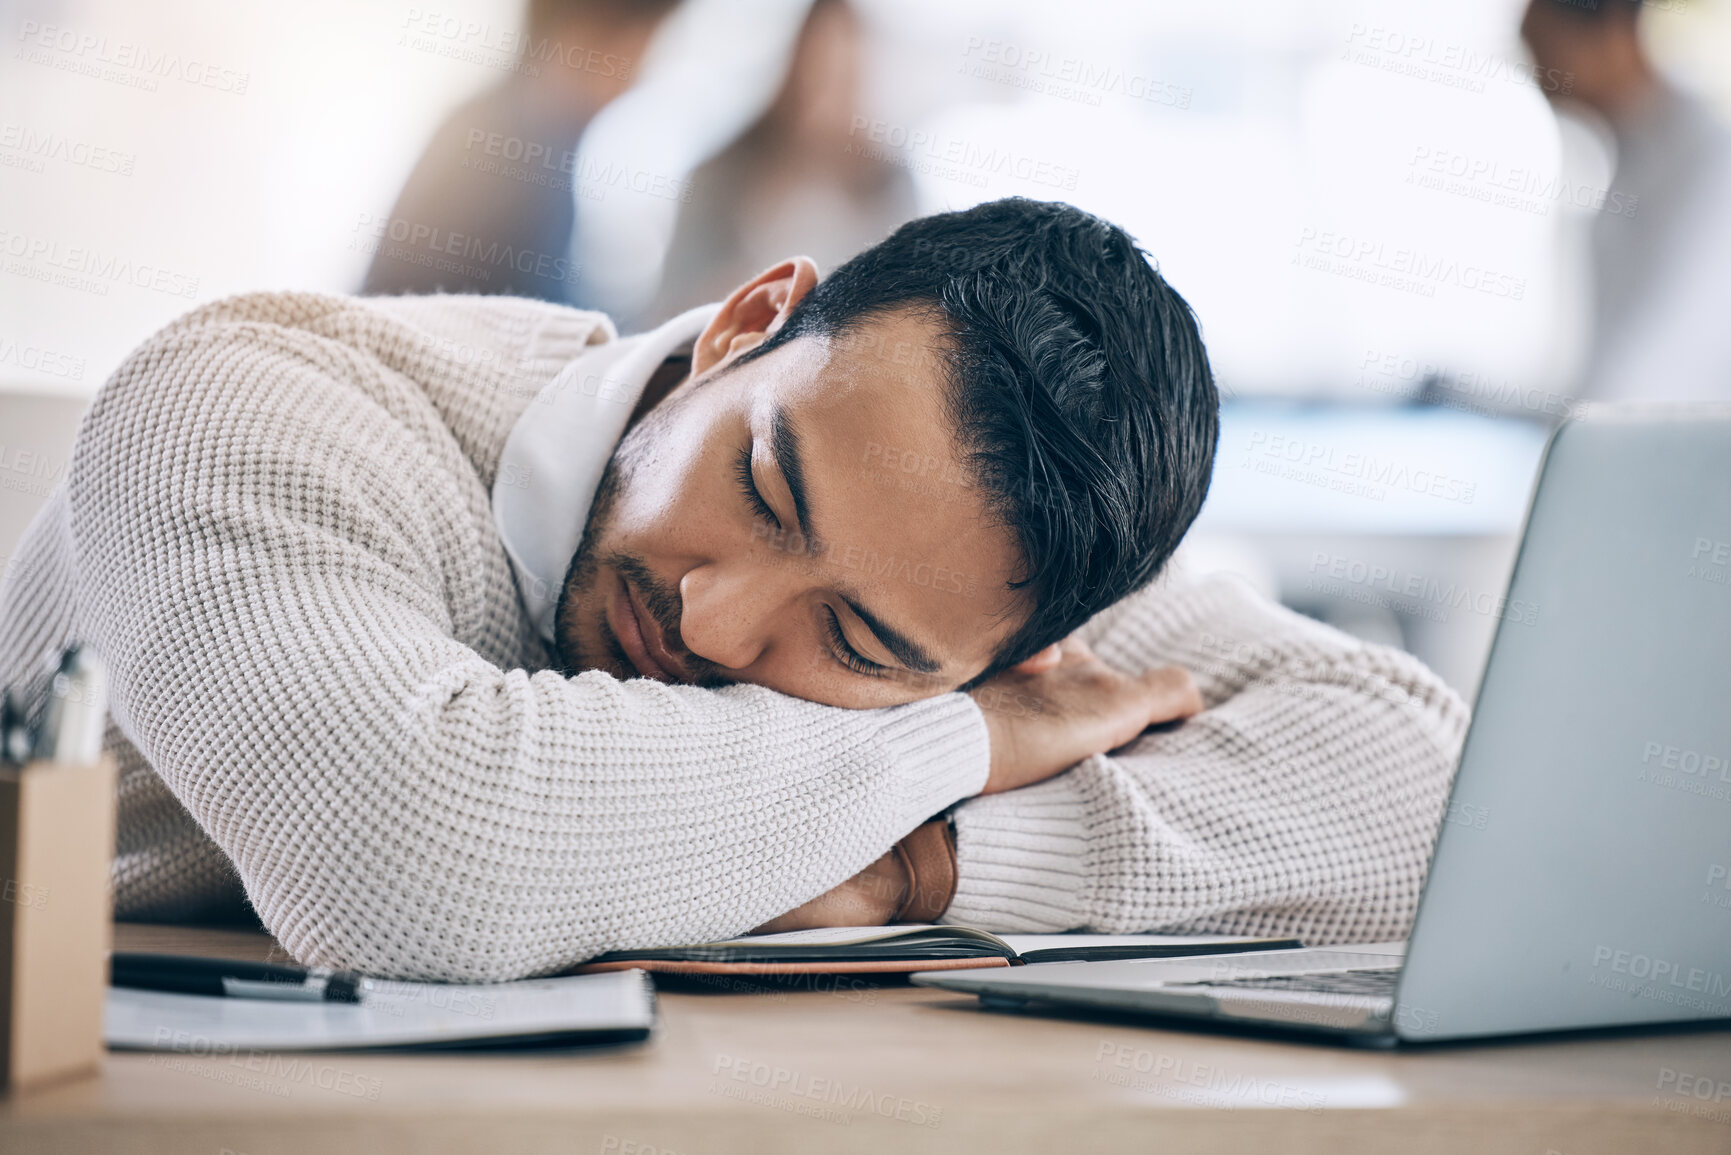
865	1068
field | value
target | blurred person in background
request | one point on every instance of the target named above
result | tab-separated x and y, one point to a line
1661	251
789	183
490	206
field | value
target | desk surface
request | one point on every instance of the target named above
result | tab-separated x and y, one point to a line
864	1068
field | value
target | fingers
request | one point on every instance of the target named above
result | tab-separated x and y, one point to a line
792	920
1084	707
1172	693
825	910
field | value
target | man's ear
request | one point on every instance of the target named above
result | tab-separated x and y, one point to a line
753	312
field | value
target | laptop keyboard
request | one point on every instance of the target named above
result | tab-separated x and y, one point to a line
1371	983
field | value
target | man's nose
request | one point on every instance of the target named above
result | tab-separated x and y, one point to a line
730	611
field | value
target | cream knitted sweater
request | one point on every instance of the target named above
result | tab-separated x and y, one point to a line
326	695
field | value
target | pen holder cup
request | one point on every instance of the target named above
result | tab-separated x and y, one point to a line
56	846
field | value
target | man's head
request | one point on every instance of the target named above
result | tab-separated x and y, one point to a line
899	481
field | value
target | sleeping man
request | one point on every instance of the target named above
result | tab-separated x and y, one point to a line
461	638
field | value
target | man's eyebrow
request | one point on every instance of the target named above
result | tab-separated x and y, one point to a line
784	448
907	651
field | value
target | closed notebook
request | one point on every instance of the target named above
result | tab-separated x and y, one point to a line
890	949
610	1008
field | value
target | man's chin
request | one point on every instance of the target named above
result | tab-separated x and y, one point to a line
593	649
608	655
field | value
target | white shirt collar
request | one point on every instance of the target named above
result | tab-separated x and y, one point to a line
554	457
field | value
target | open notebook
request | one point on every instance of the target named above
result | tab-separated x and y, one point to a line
888	949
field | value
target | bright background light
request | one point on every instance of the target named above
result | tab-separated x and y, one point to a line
1270	154
1217	133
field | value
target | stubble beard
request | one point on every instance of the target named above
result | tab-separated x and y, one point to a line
578	590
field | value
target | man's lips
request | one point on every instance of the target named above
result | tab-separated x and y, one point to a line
641	637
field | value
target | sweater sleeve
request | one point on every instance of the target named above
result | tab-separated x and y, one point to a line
278	564
1302	801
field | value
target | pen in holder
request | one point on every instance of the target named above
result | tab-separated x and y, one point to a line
56	844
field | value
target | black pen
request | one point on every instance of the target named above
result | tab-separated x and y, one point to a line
235	980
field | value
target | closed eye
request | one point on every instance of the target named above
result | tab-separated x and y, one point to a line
748	486
844	653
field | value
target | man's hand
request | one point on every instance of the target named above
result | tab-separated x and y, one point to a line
869	898
1042	717
1064	704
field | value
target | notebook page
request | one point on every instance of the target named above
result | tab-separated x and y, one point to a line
829	935
1023	943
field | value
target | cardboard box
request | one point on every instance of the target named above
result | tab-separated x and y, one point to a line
56	846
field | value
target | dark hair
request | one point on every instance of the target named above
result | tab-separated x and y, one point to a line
1079	390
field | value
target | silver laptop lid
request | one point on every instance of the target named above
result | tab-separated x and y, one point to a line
1582	875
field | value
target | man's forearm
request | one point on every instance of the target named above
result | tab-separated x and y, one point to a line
1304	800
305	644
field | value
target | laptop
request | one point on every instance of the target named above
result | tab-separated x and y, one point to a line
1581	876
